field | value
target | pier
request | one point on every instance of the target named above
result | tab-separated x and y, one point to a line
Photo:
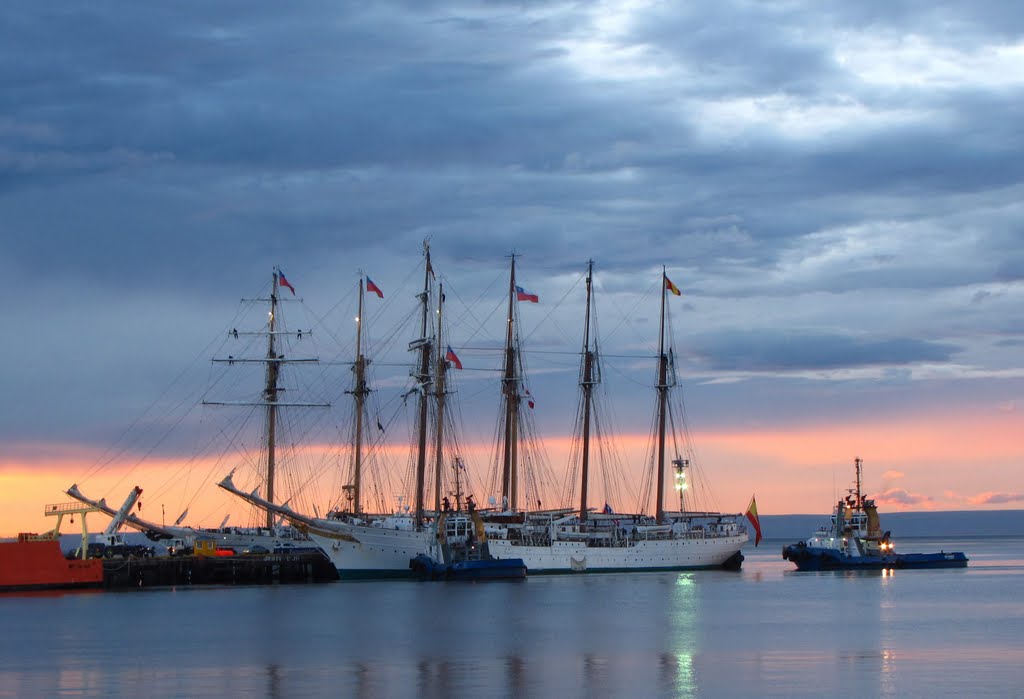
173	571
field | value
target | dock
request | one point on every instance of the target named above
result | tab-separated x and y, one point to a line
256	569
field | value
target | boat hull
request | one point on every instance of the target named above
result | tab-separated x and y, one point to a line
370	553
811	558
426	568
367	552
39	564
564	557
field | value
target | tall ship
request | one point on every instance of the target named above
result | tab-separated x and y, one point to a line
271	535
588	539
561	540
364	544
853	540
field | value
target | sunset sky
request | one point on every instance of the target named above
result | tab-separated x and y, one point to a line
837	189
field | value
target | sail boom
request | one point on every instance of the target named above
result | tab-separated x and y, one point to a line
265	360
277	404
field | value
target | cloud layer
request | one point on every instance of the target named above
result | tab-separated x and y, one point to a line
837	189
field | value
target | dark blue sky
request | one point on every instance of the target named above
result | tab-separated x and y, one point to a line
836	188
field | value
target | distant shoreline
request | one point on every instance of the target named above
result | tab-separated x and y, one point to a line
937	524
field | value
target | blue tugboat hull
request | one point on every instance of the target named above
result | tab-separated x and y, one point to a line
810	558
505	569
426	568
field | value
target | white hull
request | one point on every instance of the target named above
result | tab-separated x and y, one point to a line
371	552
661	554
375	552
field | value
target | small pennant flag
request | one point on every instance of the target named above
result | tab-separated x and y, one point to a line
370	286
607	509
452	357
284	282
380	426
524	295
754	521
529	399
672	287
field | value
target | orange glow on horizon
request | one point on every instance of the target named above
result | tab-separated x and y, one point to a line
933	462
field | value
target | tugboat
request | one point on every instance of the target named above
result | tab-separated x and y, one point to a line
854	541
462	551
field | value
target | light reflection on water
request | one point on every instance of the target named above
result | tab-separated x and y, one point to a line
763	631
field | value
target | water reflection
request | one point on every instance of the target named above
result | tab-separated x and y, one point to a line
762	632
683	634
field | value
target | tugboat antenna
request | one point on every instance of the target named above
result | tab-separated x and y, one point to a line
860	502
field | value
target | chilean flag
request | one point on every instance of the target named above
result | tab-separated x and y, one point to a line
451	357
284	282
370	286
524	295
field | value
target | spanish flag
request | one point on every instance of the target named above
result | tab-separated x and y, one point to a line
754	521
672	287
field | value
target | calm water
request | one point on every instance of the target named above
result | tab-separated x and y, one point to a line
767	631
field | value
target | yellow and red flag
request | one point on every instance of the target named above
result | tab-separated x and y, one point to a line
672	287
754	521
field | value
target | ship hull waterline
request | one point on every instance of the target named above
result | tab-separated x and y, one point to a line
377	553
814	559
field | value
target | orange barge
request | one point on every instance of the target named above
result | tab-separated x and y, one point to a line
35	562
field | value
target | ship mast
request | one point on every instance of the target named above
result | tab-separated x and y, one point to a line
360	392
510	389
662	389
439	395
423	377
271	390
270	395
587	385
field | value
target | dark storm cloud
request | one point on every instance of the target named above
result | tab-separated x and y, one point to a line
779	350
167	151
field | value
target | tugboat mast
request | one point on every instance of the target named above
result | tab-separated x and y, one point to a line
859	503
